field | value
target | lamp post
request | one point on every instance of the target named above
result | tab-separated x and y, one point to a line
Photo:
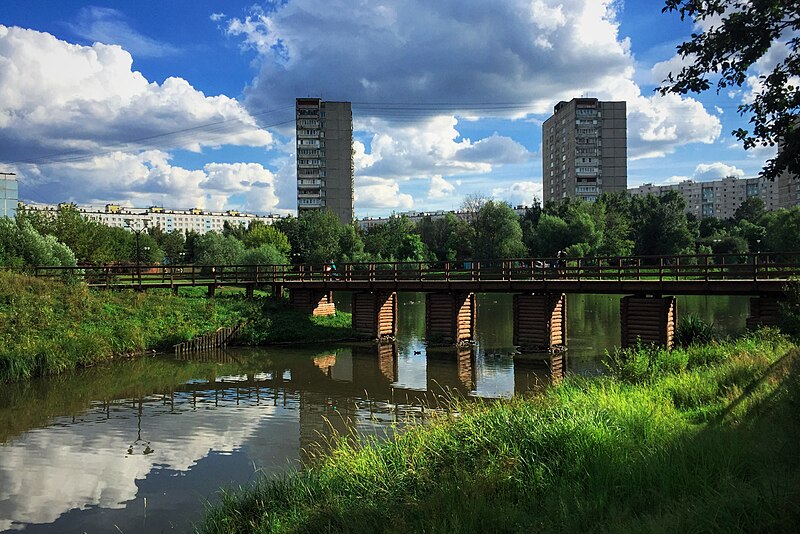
131	225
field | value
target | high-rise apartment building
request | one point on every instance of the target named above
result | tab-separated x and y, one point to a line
9	194
325	157
585	149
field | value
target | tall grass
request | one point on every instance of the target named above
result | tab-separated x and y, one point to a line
48	327
709	445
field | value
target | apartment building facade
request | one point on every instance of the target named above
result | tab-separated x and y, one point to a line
720	198
325	173
9	195
169	220
585	149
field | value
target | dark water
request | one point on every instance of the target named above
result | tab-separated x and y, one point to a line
140	446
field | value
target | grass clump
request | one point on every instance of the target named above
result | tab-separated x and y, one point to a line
702	442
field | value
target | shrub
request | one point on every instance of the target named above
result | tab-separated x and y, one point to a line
693	330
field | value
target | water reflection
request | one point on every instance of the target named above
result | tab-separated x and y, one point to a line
86	451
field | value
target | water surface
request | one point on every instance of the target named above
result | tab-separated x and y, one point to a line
141	445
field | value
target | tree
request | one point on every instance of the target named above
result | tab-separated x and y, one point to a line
498	234
660	226
472	204
386	240
782	230
448	238
263	255
22	246
750	210
739	34
259	234
213	248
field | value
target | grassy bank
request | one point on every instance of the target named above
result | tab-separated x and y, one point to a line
702	439
47	327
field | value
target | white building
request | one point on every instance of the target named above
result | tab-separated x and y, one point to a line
719	198
169	220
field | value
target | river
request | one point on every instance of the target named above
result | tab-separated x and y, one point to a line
141	445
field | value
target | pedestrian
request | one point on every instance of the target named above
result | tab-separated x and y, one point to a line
561	263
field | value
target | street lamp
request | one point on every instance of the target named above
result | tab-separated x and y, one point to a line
131	225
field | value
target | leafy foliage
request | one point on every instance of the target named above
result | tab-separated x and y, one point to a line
736	35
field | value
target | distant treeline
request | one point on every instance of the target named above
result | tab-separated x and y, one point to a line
614	225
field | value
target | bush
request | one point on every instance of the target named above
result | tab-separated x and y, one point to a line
693	330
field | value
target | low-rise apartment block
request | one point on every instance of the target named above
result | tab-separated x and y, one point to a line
169	220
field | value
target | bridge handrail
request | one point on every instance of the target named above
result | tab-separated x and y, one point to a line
747	266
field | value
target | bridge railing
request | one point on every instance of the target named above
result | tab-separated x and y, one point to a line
663	268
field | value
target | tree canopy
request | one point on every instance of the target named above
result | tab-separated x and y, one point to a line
738	34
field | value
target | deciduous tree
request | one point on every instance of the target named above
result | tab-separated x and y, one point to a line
736	35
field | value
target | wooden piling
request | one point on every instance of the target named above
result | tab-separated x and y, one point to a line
648	320
540	321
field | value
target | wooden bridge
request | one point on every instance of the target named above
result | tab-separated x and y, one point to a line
539	286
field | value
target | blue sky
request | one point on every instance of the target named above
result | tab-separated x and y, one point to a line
190	103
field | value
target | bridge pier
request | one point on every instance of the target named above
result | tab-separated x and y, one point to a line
764	311
375	314
450	317
532	372
540	321
442	376
649	320
312	301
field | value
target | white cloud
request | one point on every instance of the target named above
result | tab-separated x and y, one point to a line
519	193
436	56
148	178
59	101
380	193
440	188
705	172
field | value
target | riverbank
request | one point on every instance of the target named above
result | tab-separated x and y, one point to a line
47	327
705	438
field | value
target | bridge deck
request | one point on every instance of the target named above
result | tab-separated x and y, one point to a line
740	274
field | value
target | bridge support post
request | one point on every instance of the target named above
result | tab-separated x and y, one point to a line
312	301
249	290
450	317
540	321
649	320
277	291
764	311
212	289
375	314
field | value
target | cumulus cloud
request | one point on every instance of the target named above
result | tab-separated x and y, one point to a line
706	172
440	188
380	193
413	69
61	101
149	178
432	52
518	193
714	171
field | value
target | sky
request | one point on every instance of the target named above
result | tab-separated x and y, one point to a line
190	103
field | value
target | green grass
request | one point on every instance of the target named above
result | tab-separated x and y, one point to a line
47	327
709	445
